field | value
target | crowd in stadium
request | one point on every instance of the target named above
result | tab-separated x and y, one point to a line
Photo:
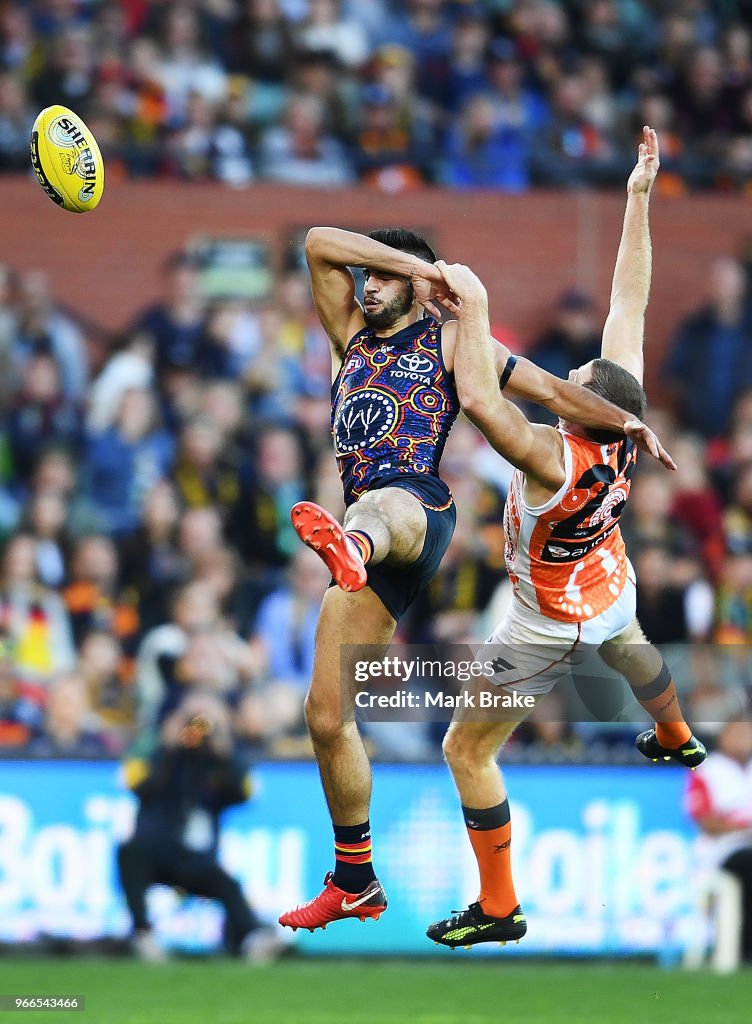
148	552
503	94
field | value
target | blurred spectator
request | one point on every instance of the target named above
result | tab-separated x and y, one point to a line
176	324
15	117
647	519
69	77
41	415
199	533
299	152
710	362
237	593
191	779
151	562
283	637
21	703
110	694
43	328
385	152
734	601
264	42
45	520
204	473
671	610
134	70
703	103
714	699
195	650
318	73
56	473
125	460
549	730
186	67
572	339
737	520
570	149
286	623
326	28
719	798
422	27
485	153
22	50
696	506
466	73
33	619
69	727
92	596
265	534
203	146
129	367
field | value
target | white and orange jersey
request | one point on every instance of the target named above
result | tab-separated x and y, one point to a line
566	559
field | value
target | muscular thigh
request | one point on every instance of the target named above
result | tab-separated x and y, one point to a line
404	517
351	627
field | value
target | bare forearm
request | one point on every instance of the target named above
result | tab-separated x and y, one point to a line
349	249
475	369
570	401
579	405
632	273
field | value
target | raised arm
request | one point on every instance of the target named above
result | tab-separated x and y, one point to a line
561	397
625	326
329	254
524	379
520	378
531	447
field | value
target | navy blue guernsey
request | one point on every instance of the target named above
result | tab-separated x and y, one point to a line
393	405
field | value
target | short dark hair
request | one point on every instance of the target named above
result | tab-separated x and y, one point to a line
406	241
619	386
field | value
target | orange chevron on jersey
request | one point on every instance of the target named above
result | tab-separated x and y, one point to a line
566	559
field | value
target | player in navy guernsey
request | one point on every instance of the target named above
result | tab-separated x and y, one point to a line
393	405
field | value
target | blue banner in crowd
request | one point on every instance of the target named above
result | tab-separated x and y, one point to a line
603	857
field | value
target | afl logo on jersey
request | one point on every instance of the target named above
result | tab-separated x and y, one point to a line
363	419
355	362
414	366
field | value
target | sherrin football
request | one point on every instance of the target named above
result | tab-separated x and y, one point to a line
66	160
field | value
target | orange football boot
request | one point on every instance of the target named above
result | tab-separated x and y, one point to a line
321	532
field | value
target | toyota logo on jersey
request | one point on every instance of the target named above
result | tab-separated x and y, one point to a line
413	366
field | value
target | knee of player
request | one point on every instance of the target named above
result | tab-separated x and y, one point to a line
324	722
458	748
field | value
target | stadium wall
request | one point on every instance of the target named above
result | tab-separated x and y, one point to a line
526	248
604	857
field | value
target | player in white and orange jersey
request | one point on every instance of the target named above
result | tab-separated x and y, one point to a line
573	584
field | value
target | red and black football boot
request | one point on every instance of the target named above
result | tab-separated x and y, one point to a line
334	904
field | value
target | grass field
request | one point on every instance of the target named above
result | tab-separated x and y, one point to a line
378	992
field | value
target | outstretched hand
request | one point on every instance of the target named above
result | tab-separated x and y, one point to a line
646	441
648	161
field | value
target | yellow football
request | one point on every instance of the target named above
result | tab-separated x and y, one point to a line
66	159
